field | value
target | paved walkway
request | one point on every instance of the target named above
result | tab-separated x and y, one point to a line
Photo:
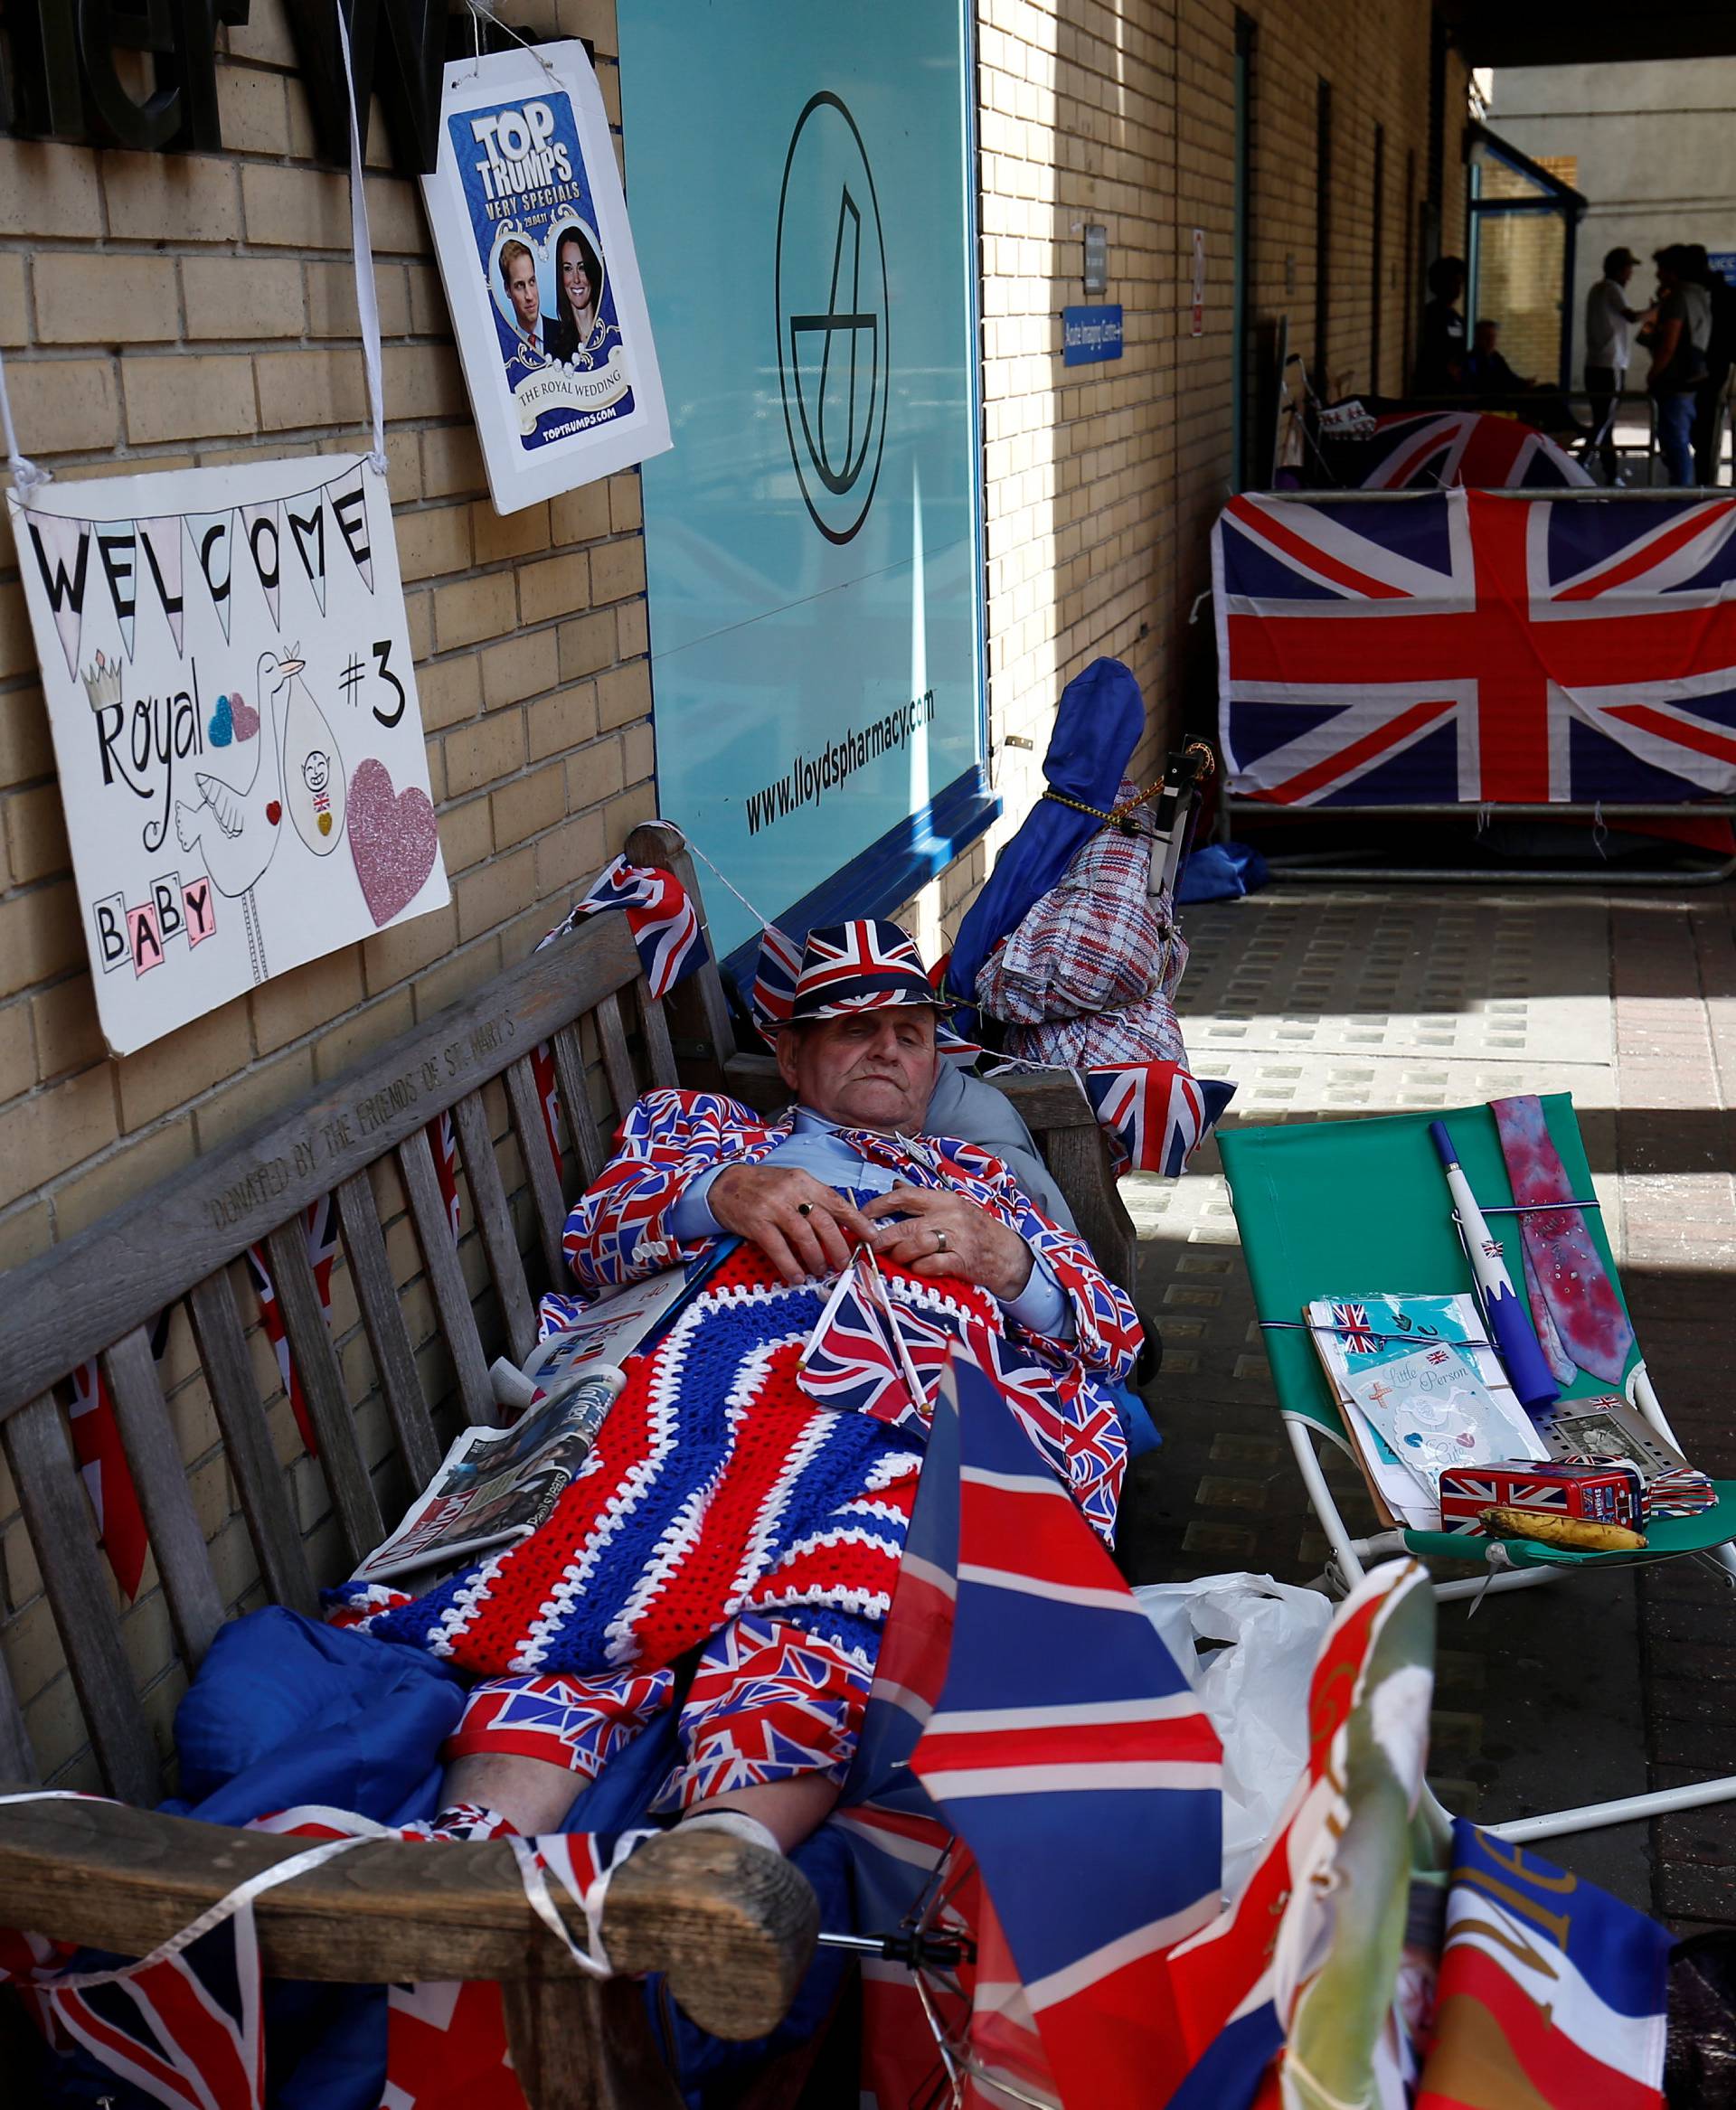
1336	1003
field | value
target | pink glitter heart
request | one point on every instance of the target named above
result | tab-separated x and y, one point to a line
393	840
244	718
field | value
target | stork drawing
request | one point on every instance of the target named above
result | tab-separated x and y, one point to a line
237	826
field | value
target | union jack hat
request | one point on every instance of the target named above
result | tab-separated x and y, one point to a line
860	967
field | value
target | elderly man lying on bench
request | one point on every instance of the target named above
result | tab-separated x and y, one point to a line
728	1524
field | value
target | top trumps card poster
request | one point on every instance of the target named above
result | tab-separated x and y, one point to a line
531	230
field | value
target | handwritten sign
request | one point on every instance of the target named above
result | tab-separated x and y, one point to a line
227	668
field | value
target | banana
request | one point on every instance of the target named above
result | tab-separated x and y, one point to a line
1577	1532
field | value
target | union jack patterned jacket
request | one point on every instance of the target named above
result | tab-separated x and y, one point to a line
618	1231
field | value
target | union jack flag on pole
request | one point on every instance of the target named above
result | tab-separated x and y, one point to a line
1469	647
659	913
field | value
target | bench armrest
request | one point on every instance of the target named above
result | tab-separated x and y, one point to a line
732	1924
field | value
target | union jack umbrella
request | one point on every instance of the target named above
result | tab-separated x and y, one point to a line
1425	450
1155	1113
1472	647
1049	1726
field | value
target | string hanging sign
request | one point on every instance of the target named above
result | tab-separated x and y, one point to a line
536	255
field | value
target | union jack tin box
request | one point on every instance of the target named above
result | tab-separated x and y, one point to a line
1601	1495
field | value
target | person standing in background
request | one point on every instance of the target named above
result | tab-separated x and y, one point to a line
1678	342
1607	321
1441	351
1710	398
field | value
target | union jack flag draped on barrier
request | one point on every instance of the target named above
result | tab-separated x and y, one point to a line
1425	450
1473	647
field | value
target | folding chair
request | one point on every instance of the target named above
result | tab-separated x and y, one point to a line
1349	1208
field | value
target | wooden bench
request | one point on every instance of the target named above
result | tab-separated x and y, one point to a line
732	1926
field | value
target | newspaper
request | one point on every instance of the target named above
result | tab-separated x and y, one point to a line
495	1485
606	1331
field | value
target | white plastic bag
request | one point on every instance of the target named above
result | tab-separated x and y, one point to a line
1255	1689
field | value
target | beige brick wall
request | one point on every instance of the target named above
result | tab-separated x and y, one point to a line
168	310
163	311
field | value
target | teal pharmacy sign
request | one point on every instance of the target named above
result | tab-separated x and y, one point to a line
800	186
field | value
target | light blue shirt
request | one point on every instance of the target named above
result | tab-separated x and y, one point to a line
815	1146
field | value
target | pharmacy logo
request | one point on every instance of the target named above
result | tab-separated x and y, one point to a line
833	325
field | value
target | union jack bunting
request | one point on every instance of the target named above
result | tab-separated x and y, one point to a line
1073	1759
1157	1113
445	2049
1426	450
663	919
1472	647
322	1251
183	2025
443	1145
548	1097
101	1458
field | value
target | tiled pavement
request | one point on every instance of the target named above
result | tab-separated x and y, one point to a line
1334	1003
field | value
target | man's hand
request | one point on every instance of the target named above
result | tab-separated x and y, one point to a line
944	1233
802	1227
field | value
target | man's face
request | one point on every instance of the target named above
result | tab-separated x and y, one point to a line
869	1070
1487	333
1623	272
521	286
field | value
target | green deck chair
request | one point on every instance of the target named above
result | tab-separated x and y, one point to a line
1333	1209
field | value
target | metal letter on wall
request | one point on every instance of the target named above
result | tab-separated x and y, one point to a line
802	188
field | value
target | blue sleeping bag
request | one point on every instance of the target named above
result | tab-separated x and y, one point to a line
285	1711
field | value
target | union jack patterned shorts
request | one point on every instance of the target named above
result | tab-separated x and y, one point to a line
771	1698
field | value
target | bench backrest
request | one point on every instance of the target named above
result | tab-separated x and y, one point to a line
431	1313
